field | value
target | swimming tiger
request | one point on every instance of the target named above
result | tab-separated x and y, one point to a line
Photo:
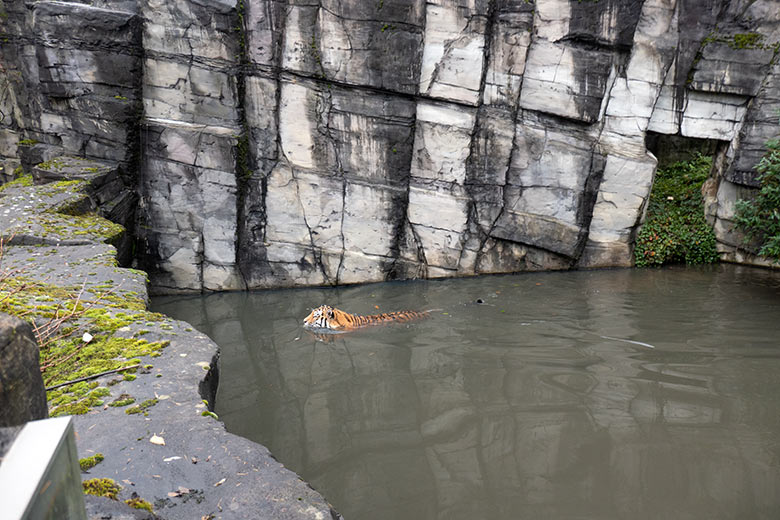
327	317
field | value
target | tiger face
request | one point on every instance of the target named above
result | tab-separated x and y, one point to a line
323	317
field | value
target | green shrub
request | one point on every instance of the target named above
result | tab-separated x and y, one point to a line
675	230
760	217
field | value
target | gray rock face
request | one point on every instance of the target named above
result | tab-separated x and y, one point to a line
75	90
22	396
291	143
192	206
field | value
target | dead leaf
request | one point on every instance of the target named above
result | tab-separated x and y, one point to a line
194	460
171	458
220	482
156	439
179	492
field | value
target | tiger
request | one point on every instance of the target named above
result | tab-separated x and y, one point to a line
330	318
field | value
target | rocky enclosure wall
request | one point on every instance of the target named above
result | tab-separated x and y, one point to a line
295	142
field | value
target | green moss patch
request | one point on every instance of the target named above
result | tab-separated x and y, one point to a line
101	487
67	357
61	186
88	463
77	360
141	408
137	502
75	399
55	164
675	230
66	226
22	182
122	400
130	300
740	41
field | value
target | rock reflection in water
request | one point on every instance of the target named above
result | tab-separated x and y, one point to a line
522	407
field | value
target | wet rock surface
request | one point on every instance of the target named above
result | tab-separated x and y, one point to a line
153	427
279	143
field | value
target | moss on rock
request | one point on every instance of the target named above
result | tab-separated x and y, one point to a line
141	408
23	181
88	463
137	502
101	487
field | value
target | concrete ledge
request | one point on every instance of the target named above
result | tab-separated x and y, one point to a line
39	477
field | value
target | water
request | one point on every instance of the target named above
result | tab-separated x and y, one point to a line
600	394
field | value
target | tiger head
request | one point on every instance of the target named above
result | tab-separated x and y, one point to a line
324	317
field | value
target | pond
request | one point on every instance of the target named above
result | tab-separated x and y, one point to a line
589	394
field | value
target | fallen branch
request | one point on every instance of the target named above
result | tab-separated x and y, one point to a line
48	333
94	376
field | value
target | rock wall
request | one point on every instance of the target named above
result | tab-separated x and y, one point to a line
288	143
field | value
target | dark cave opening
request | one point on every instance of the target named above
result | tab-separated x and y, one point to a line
669	149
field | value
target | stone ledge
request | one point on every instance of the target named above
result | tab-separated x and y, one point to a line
201	469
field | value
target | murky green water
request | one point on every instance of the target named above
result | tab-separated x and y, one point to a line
602	394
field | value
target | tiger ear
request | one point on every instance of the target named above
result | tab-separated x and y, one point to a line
330	314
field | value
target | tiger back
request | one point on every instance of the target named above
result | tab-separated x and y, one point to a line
330	318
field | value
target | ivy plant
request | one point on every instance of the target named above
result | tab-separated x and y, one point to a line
675	230
759	218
